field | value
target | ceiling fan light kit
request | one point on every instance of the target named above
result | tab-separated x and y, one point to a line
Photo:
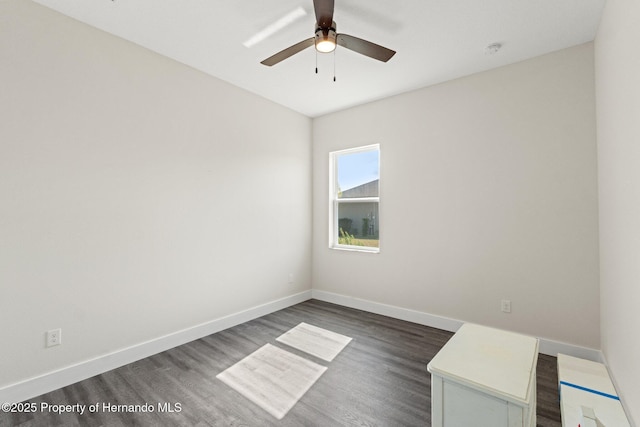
326	38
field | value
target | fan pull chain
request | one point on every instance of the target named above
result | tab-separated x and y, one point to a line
316	62
334	65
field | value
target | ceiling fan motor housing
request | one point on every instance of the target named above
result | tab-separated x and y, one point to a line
326	38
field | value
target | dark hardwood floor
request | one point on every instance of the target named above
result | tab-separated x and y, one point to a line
379	379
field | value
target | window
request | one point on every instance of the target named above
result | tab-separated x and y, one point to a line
354	220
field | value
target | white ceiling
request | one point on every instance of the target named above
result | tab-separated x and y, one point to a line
435	40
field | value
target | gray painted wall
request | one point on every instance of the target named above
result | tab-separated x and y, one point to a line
488	191
618	111
138	197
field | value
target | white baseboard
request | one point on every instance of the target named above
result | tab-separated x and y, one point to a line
33	387
413	316
623	401
547	346
552	348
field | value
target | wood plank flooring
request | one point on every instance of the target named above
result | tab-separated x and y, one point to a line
379	379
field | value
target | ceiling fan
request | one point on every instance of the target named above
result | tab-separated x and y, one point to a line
326	38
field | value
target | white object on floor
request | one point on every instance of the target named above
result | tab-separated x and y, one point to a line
586	389
484	377
589	418
272	378
316	341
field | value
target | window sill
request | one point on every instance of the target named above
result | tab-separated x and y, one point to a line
364	249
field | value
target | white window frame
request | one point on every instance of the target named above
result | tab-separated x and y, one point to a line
334	201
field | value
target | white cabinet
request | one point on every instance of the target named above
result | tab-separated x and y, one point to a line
484	377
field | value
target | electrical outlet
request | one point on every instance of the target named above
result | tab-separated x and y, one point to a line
506	306
290	278
54	337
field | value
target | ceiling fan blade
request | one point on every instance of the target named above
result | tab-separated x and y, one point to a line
290	51
324	12
365	47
